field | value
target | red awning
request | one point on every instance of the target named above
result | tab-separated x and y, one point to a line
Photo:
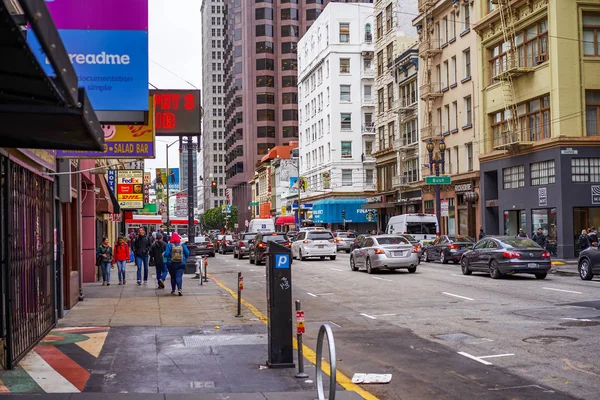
286	220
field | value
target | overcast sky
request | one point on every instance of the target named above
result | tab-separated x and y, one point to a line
175	40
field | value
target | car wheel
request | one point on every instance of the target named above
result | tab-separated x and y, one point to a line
426	256
443	259
240	256
464	267
541	275
348	251
235	254
585	270
353	266
494	271
213	255
455	261
412	270
322	258
302	258
370	269
256	259
250	258
332	258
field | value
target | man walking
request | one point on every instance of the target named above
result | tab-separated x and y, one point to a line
156	252
141	248
540	238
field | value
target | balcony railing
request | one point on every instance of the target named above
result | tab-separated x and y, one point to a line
368	128
425	4
399	181
430	90
431	132
368	73
510	139
430	47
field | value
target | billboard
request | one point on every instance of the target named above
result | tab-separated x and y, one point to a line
107	42
130	188
177	112
162	178
121	141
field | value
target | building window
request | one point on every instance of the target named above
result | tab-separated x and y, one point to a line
289	64
389	50
380	63
345	93
467	63
346	177
369	175
289	47
344	32
265	98
380	101
466	17
265	81
592	112
290	115
346	149
591	34
368	147
381	137
390	93
468	111
379	25
264	30
408	93
368	93
264	47
469	147
289	30
391	134
265	115
533	121
263	13
543	173
586	170
289	13
312	14
514	177
411	170
265	131
368	34
264	64
344	65
453	71
346	121
289	81
388	18
409	132
289	98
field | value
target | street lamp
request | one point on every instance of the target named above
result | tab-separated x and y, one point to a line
168	206
436	160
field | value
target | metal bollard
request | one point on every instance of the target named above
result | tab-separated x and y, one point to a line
239	298
300	329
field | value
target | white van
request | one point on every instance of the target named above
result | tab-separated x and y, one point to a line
261	225
422	227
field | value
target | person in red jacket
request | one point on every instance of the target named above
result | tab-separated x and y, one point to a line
121	256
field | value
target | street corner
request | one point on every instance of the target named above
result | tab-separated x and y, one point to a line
61	363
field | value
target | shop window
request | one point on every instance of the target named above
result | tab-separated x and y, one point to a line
585	170
543	173
514	177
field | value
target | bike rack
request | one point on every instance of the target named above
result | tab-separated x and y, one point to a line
326	330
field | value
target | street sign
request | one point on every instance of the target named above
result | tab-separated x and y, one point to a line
438	180
445	207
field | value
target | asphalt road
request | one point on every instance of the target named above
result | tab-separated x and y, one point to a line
443	335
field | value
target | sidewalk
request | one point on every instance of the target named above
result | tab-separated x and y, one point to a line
567	267
137	339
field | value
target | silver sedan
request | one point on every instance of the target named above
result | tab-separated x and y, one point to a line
385	252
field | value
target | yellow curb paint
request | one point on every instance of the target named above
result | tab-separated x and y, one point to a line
309	354
558	263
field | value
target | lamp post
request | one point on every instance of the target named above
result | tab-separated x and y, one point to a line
436	160
167	184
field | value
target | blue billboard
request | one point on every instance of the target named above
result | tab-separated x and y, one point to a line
111	65
329	211
163	178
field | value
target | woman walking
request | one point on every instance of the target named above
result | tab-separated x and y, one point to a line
104	256
176	254
121	253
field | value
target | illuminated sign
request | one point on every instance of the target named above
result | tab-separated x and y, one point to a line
177	112
130	188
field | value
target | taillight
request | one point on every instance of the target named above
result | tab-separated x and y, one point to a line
546	255
209	245
512	254
242	244
453	246
227	243
261	245
379	251
288	244
415	249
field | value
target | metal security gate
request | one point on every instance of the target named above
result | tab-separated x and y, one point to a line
29	265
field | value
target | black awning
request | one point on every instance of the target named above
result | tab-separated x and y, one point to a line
38	111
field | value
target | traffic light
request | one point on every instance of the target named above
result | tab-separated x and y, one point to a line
214	187
343	214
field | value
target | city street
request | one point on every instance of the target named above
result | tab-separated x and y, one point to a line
445	335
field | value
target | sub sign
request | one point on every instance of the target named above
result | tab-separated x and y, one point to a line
300	322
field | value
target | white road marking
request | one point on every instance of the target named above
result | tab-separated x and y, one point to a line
523	387
497	355
324	294
368	316
335	269
384	315
381	279
455	295
561	290
577	319
310	294
333	323
462	353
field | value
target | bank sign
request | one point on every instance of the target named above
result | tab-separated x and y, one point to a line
107	43
130	188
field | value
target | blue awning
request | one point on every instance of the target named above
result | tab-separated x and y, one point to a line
329	211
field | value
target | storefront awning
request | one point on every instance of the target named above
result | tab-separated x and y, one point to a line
378	205
329	211
107	202
286	220
38	111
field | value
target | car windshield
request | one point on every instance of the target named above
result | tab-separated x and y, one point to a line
392	240
420	228
228	237
274	238
346	235
410	238
519	243
464	239
320	235
249	236
220	237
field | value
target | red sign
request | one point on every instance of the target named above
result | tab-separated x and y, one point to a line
300	322
125	189
177	112
241	283
114	217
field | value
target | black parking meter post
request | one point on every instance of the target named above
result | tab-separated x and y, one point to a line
279	307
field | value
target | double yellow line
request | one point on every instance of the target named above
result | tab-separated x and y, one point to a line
309	354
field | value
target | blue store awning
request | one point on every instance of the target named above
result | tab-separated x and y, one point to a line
329	211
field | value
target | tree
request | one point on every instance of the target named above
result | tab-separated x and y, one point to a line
217	218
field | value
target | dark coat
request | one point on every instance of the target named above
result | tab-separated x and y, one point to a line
584	242
141	245
157	250
540	239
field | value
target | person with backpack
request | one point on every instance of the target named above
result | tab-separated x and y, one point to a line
121	253
584	240
176	254
141	249
156	253
104	256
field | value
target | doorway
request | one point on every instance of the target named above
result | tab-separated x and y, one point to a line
584	218
513	220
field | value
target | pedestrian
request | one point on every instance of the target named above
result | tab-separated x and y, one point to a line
540	238
121	256
593	235
584	240
156	252
176	254
522	234
141	249
481	233
104	256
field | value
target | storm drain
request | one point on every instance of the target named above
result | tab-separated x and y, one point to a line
223	340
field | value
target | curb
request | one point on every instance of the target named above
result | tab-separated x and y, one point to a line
556	271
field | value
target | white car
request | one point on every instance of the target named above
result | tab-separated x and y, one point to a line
317	243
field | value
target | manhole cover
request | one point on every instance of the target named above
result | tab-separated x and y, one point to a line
555	329
549	339
580	323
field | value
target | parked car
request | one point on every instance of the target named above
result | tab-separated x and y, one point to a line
589	263
448	248
344	241
291	235
385	252
204	247
314	243
356	244
226	244
412	240
242	245
217	240
258	247
504	255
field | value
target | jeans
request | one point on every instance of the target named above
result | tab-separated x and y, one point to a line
161	272
106	271
176	271
121	267
138	261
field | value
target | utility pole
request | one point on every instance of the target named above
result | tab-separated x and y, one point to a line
190	188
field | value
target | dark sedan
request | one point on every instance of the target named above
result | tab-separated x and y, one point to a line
226	245
506	255
589	263
242	245
258	247
448	248
202	247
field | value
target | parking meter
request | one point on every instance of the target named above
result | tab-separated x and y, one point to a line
279	306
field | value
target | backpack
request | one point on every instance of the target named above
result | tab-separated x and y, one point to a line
177	253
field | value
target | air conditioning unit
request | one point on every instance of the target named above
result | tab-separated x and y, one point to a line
541	58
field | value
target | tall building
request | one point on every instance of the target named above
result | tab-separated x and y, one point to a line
539	118
449	94
213	124
394	34
183	174
260	86
336	105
